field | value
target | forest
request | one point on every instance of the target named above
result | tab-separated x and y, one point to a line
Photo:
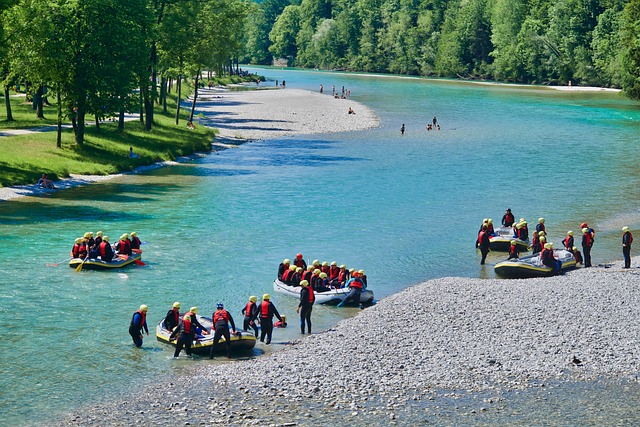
560	42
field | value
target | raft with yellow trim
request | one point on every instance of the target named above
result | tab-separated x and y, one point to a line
242	341
531	266
118	261
501	241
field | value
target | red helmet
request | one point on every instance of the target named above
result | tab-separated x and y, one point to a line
583	225
298	256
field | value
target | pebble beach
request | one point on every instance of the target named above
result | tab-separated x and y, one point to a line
400	360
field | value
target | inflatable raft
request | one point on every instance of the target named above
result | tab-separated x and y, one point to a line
119	261
242	341
502	240
531	266
332	297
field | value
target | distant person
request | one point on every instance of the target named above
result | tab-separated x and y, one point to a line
587	244
333	90
402	129
284	84
132	155
321	89
266	311
307	298
483	243
350	111
45	182
627	239
508	219
435	121
172	319
221	320
138	325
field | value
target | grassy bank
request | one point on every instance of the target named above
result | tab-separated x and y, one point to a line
105	151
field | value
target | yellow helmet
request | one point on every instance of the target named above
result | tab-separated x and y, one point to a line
343	266
253	298
316	271
570	233
310	268
299	270
575	248
522	220
87	235
334	264
351	270
125	236
585	230
625	228
266	297
485	220
361	272
489	221
286	261
99	234
144	308
133	234
542	233
543	239
323	275
186	318
519	225
105	239
325	264
194	310
303	283
541	220
293	267
547	246
91	234
550	245
316	262
176	304
78	240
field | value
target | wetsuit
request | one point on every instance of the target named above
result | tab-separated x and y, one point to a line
250	312
172	319
568	243
186	332
137	325
135	243
514	252
221	319
508	219
307	298
587	243
483	244
627	239
548	259
540	227
535	244
281	270
295	279
300	263
523	234
355	286
266	311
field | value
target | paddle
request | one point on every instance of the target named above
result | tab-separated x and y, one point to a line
79	267
55	264
140	263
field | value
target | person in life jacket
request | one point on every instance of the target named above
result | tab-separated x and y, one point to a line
306	275
325	267
627	240
90	240
490	227
514	252
316	264
186	333
363	278
577	255
266	311
138	325
135	242
193	311
221	320
568	241
105	250
98	238
322	283
341	280
523	231
535	243
587	243
300	262
283	267
540	225
355	285
77	248
547	258
483	243
286	276
485	222
250	312
172	319
307	298
508	219
314	278
123	247
296	276
333	271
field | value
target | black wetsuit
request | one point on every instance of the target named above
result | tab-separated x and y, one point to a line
172	319
281	269
307	298
250	312
266	311
483	244
587	243
137	325
221	319
627	239
186	332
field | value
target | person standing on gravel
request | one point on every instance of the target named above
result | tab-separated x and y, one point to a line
266	311
307	298
221	320
250	312
587	243
627	239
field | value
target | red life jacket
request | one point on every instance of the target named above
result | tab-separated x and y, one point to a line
247	309
480	236
176	314
103	250
306	275
535	239
588	239
144	317
135	243
490	229
286	275
312	296
220	315
356	284
264	309
76	251
566	242
513	250
630	238
325	269
187	325
333	272
342	276
299	263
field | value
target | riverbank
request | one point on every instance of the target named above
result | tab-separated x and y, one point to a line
412	357
241	116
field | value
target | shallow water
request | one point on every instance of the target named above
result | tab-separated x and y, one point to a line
406	209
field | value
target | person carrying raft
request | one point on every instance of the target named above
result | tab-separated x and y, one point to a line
250	312
221	320
307	298
356	286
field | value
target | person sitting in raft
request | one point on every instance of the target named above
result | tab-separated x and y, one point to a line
324	267
172	319
105	250
577	255
300	262
514	252
490	229
296	277
123	247
343	277
284	266
90	240
547	257
355	286
535	243
322	283
250	312
98	238
221	320
568	241
540	225
286	277
79	250
333	271
508	219
363	278
132	155
135	242
315	276
306	275
45	182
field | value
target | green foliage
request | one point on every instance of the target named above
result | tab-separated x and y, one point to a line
631	51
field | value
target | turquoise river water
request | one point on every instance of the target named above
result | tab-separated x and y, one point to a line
406	209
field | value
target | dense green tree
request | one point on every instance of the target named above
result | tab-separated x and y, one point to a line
606	53
261	20
631	49
506	23
284	33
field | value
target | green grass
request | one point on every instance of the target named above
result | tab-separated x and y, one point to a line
24	158
23	113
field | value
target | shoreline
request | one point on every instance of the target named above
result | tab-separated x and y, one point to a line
430	347
240	117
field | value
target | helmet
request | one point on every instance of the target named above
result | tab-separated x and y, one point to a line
316	271
91	234
186	318
547	246
343	266
355	274
298	256
508	209
334	264
550	245
125	236
625	228
513	242
299	270
489	221
522	220
176	304
351	270
293	267
361	272
524	223
87	235
286	261
253	298
219	306
194	310
575	248
542	233
144	308
323	275
315	262
570	233
105	239
133	234
310	268
519	225
266	297
543	239
78	240
541	220
99	233
325	264
583	225
303	283
585	230
484	221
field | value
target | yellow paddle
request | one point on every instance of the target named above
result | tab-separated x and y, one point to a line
79	267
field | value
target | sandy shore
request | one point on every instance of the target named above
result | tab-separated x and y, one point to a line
246	115
411	356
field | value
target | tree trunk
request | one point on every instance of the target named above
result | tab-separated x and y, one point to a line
141	103
121	120
179	89
148	107
59	138
97	123
164	96
37	99
195	97
81	112
7	104
169	85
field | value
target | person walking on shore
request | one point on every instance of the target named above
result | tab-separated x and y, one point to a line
138	325
250	312
307	298
266	311
627	239
483	243
587	243
221	320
